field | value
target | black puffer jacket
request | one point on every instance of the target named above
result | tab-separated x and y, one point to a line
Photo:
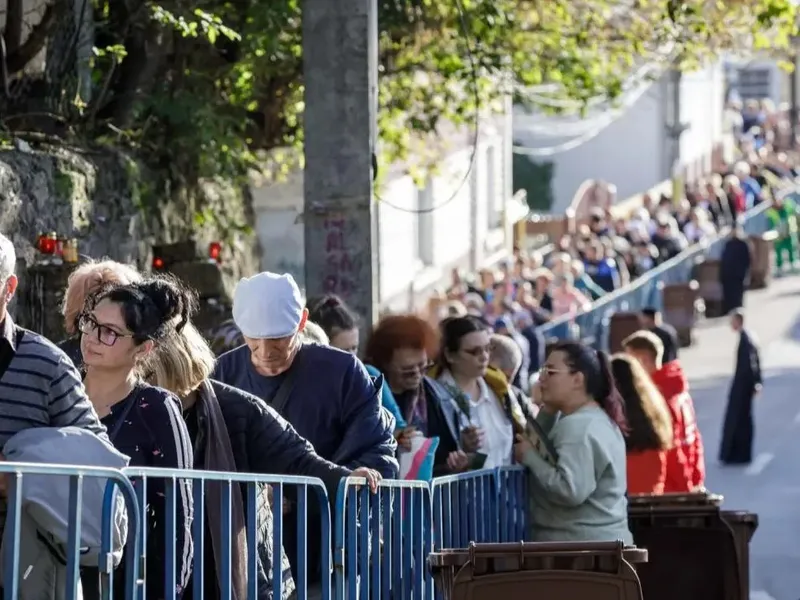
264	443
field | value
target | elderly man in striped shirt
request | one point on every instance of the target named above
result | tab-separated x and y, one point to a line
39	385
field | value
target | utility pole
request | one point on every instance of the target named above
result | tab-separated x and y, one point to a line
340	56
794	109
675	129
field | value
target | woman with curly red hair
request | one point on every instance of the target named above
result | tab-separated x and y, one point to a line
401	347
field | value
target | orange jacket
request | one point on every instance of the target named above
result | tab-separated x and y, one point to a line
647	471
686	468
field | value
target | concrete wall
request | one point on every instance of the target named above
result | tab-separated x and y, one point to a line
456	220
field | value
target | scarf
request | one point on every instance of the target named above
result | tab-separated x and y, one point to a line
218	456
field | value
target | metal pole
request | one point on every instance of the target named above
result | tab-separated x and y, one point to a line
341	75
795	106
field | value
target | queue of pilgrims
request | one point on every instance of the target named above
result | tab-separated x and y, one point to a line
137	380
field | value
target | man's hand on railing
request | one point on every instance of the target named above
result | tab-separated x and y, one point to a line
371	475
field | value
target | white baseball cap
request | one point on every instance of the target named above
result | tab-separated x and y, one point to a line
267	306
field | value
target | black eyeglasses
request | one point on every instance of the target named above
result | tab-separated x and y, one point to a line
88	325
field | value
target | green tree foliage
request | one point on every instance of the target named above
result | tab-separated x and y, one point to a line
202	89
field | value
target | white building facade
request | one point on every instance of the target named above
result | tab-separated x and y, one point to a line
462	218
636	150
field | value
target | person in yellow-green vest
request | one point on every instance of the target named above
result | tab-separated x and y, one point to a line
782	217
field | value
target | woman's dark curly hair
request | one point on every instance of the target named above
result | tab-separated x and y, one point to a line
151	309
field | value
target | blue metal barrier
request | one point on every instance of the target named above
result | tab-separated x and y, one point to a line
592	325
116	480
253	488
382	540
512	498
465	509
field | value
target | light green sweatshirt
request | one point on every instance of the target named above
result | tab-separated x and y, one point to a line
582	496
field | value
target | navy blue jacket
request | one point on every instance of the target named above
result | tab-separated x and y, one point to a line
334	404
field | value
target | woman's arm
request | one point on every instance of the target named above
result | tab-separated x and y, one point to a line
571	481
172	450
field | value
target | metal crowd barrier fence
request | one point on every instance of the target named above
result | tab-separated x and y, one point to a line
377	549
382	540
260	493
592	325
465	509
512	486
15	571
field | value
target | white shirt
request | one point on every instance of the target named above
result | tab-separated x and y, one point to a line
487	414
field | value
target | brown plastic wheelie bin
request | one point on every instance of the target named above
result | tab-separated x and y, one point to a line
679	308
696	551
620	326
545	571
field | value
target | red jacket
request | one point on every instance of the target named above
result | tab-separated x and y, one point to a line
686	467
647	471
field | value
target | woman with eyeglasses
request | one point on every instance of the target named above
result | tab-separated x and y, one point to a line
578	462
490	411
121	329
400	347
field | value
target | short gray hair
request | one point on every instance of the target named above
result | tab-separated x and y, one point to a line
314	334
505	354
8	258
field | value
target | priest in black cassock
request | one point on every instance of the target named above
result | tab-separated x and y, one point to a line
737	433
734	268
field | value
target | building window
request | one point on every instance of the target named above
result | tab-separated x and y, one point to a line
493	202
754	83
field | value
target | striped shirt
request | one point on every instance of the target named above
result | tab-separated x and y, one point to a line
40	387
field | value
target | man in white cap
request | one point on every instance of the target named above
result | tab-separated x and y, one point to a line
325	393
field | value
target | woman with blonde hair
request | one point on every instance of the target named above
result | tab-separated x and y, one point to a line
233	431
650	426
82	283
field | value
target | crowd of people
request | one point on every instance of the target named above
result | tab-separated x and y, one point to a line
474	388
295	398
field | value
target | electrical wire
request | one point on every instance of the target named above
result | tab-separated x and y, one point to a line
595	101
580	140
553	127
462	17
586	137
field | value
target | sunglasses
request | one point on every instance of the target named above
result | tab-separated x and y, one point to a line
414	370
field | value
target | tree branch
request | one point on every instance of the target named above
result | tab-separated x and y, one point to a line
15	19
18	59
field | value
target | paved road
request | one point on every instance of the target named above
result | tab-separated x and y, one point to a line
770	486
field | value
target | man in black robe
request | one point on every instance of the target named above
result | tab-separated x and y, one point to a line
733	270
736	447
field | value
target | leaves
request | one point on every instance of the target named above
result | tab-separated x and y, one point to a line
230	87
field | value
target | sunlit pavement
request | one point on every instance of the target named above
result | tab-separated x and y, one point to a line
770	486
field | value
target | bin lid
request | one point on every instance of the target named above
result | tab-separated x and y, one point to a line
740	516
662	501
458	557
